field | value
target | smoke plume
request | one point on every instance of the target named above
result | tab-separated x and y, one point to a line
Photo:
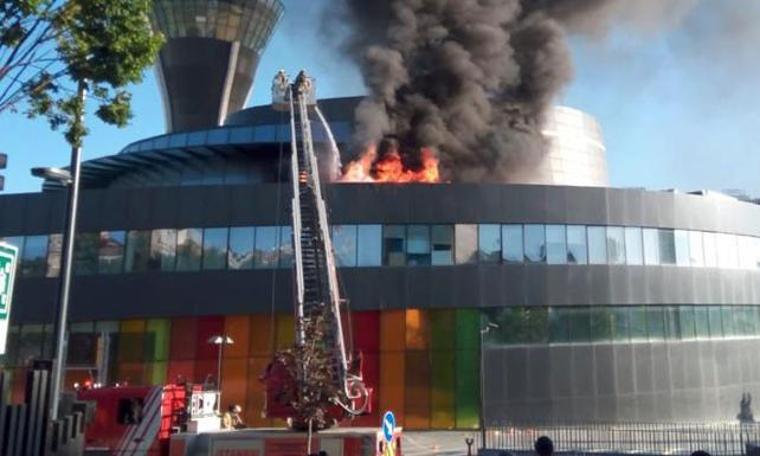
473	79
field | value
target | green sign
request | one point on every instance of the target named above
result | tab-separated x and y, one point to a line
8	260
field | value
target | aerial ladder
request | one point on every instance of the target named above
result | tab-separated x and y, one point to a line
317	383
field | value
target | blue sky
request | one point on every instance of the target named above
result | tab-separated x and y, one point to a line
679	105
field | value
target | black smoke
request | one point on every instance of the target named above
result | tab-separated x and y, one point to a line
472	79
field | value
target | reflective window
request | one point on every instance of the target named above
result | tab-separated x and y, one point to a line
344	243
214	248
286	246
621	324
597	245
443	245
15	241
711	249
576	245
189	249
138	251
638	326
656	323
634	249
466	243
34	256
580	324
240	253
55	245
729	321
556	244
418	245
370	245
615	245
702	322
727	254
667	242
111	252
683	257
394	245
651	247
535	244
696	249
86	253
163	250
744	317
559	325
489	243
512	243
601	324
687	322
716	321
266	248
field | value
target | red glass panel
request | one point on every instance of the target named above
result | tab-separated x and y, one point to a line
183	340
208	327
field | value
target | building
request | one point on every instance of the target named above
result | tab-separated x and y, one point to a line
611	304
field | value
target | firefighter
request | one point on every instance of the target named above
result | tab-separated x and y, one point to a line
232	419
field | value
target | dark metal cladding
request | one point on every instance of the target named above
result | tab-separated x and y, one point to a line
207	66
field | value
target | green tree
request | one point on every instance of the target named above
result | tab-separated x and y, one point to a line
53	51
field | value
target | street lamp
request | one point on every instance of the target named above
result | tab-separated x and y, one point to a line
220	341
483	331
60	175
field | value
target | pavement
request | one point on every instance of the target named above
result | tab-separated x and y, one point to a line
431	443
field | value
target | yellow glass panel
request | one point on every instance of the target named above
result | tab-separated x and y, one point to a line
260	335
237	328
286	333
417	390
392	331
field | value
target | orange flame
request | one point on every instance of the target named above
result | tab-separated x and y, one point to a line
390	168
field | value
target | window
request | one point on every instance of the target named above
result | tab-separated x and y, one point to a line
189	248
621	324
656	323
687	322
702	322
576	245
214	248
667	242
672	323
601	324
418	245
634	250
130	411
34	257
638	316
716	322
344	243
615	245
111	252
266	247
55	244
556	244
286	246
138	250
370	245
580	324
512	243
443	245
86	253
651	247
727	254
597	245
729	321
559	325
683	257
711	249
163	250
466	244
394	245
240	253
696	249
535	244
489	243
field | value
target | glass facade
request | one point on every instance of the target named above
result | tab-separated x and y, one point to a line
268	247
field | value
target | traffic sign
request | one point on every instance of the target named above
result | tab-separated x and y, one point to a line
389	425
8	261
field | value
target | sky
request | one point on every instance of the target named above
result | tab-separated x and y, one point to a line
678	101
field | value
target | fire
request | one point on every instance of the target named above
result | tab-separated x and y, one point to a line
390	168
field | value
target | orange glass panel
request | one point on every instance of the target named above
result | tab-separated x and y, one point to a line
237	328
184	333
417	329
392	331
392	384
255	393
286	332
417	390
234	382
260	335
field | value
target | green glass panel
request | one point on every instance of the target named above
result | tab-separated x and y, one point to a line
559	325
601	324
442	327
467	329
621	324
442	400
687	322
702	320
716	322
656	323
156	372
467	389
638	323
580	324
518	325
672	323
729	321
157	339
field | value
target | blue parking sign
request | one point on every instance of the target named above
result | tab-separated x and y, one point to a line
389	425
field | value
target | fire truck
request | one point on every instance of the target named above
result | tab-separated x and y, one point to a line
313	386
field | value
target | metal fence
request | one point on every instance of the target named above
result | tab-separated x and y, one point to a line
720	439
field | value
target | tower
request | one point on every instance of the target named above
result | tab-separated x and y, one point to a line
207	66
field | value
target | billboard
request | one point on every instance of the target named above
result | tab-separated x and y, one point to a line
8	261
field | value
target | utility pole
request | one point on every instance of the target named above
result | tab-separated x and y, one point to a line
67	256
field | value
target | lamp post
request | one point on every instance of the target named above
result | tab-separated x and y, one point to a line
220	341
68	179
483	331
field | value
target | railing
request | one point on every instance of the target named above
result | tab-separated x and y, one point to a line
719	439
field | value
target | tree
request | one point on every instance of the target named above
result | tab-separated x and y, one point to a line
53	51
